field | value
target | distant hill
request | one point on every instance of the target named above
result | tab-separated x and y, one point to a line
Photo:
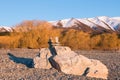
6	29
96	24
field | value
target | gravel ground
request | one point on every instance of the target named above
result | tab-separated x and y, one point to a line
19	70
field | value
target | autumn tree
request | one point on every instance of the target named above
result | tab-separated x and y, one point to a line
76	39
108	41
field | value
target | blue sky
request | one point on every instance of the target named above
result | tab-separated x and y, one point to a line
13	12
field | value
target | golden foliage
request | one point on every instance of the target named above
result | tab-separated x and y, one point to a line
36	34
76	39
109	41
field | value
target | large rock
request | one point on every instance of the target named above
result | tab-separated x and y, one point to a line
69	62
42	61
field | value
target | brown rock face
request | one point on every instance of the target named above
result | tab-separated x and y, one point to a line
70	62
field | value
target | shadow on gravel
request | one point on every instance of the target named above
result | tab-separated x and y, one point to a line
26	61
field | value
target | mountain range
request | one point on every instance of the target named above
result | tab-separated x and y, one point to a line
96	24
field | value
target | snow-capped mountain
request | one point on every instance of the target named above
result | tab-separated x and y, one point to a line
97	24
5	29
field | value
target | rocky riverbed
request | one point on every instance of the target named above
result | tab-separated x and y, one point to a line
20	68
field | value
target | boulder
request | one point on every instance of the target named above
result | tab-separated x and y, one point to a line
69	62
42	61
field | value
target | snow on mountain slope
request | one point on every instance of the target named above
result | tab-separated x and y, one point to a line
5	29
117	18
97	21
112	23
104	22
63	22
70	23
85	21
